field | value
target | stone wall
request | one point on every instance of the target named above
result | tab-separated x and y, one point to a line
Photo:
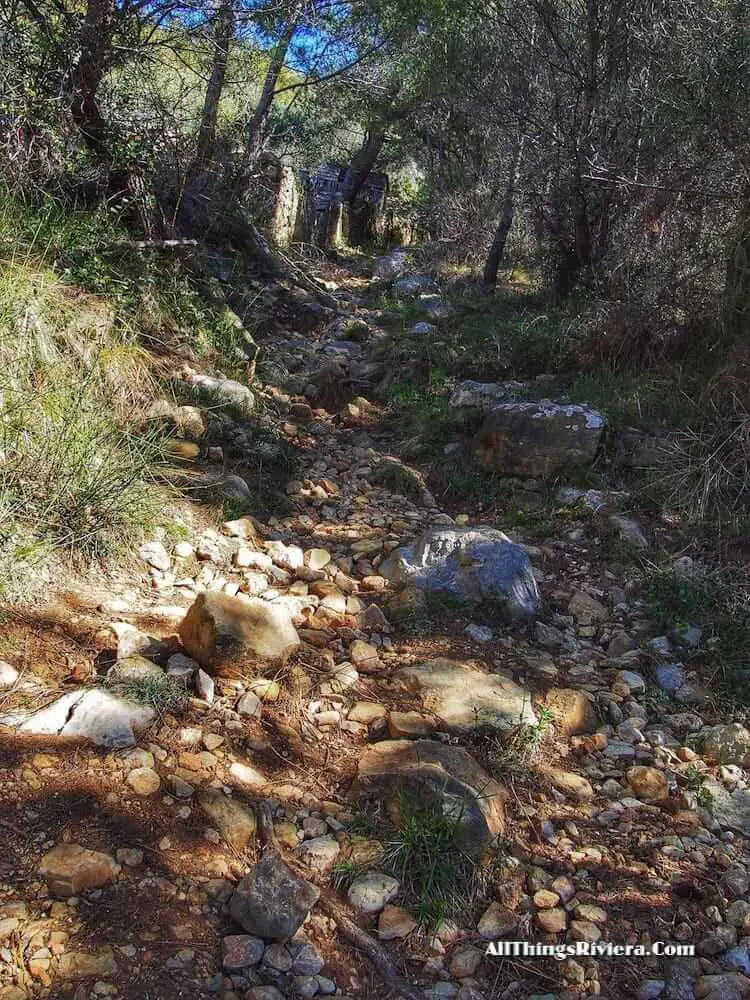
289	215
294	210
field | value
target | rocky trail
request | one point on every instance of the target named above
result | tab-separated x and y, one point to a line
335	667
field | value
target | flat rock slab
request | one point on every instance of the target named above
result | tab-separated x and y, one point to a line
105	719
465	698
218	628
467	791
538	439
468	564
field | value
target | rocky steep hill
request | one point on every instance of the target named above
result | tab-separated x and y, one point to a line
340	744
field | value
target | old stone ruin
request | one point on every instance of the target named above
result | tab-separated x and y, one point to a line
304	207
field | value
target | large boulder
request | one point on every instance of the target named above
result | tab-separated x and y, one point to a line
485	395
271	902
225	390
391	265
470	564
538	439
465	698
218	628
91	714
414	285
429	767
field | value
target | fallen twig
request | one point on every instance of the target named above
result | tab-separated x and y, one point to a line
375	952
355	935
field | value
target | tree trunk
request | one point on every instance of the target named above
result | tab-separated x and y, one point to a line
223	32
259	124
737	283
94	42
361	166
506	218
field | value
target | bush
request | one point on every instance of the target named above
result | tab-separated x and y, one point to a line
717	604
75	473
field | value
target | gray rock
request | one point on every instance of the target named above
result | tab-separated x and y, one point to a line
264	993
434	306
681	974
319	853
234	821
729	744
485	395
240	951
650	989
132	670
538	439
468	564
306	959
131	641
225	390
629	530
465	698
423	328
391	265
277	957
730	809
272	902
670	677
304	987
479	633
413	285
739	957
93	714
688	635
370	891
155	555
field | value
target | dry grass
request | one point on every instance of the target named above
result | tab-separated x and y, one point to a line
75	474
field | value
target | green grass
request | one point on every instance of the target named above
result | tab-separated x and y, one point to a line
78	473
162	693
427	853
718	605
649	401
343	874
489	338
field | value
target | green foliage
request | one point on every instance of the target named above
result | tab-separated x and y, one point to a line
160	691
427	853
78	472
718	605
704	797
343	874
648	401
517	750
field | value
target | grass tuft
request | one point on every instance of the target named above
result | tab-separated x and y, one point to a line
427	853
162	693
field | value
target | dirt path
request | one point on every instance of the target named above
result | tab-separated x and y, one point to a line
589	848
